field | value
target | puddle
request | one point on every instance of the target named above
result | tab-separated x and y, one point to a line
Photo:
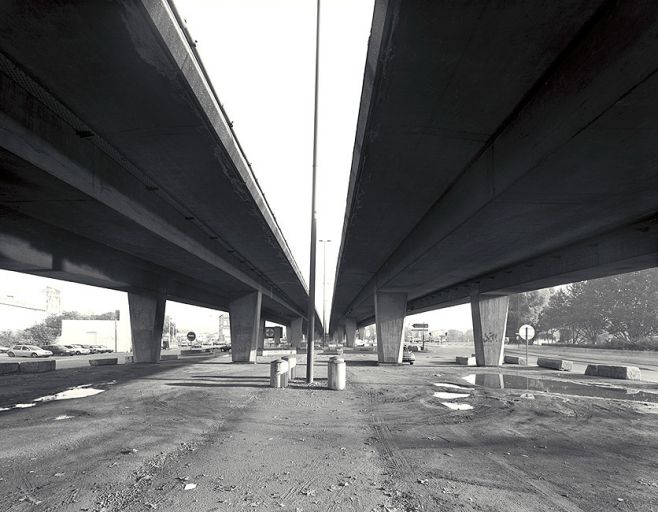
511	381
63	417
78	392
451	386
457	406
450	396
82	391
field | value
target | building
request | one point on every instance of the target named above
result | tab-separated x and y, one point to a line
18	311
114	334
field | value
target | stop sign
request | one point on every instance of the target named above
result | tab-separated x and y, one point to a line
191	336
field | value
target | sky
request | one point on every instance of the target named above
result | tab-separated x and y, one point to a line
260	56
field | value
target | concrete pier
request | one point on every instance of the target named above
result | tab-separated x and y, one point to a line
245	326
350	332
489	320
390	310
146	323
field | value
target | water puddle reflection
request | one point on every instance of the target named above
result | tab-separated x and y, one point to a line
457	406
450	396
512	381
83	391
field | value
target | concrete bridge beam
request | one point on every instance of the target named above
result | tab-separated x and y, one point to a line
489	320
146	324
245	327
390	310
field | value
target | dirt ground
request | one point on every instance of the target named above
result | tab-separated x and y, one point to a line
385	443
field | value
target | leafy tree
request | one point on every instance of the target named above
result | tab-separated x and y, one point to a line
525	308
40	334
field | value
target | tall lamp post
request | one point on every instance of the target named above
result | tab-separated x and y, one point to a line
324	290
311	287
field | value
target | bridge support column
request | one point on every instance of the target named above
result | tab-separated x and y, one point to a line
244	314
146	322
390	310
350	332
489	320
340	334
362	333
261	334
294	333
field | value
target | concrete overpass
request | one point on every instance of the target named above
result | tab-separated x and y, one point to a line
501	147
120	169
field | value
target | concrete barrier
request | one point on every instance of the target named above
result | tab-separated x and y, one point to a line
6	368
613	372
107	361
168	357
555	364
336	373
47	365
515	360
465	360
292	364
278	373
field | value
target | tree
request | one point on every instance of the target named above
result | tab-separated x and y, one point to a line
525	308
40	334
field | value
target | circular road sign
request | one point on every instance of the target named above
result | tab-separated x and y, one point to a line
527	332
191	336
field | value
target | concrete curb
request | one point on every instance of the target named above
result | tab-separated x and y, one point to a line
613	372
37	366
515	360
555	364
7	368
104	362
465	360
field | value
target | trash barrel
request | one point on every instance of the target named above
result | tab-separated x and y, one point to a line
292	365
278	373
336	373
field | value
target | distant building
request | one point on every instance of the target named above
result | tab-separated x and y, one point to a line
224	329
19	312
109	333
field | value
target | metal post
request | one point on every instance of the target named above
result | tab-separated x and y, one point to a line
324	291
526	347
311	287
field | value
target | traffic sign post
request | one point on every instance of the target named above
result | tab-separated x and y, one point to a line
527	332
191	336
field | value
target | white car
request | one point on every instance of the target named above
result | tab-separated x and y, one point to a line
79	349
28	351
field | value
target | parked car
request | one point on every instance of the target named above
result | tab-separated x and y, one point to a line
3	349
60	350
91	348
408	356
101	349
225	347
79	349
28	351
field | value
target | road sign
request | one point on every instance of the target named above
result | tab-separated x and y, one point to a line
273	332
420	326
191	336
527	332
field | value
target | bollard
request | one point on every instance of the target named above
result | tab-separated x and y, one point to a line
336	373
292	364
278	373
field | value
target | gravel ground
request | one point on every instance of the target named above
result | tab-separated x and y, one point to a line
385	443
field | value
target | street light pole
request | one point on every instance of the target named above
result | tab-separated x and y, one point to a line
324	291
311	287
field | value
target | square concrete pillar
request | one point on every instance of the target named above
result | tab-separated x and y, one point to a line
146	322
362	333
244	314
261	334
390	310
294	333
350	332
489	320
340	334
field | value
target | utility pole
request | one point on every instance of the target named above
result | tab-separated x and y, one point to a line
311	292
324	290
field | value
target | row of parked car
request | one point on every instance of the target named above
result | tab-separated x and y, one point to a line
57	350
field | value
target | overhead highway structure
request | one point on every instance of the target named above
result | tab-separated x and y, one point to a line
500	147
118	168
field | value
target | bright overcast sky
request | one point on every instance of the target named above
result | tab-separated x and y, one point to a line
260	55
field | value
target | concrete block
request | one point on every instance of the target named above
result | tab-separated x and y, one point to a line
515	360
104	362
555	364
47	365
613	372
465	360
168	357
6	368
